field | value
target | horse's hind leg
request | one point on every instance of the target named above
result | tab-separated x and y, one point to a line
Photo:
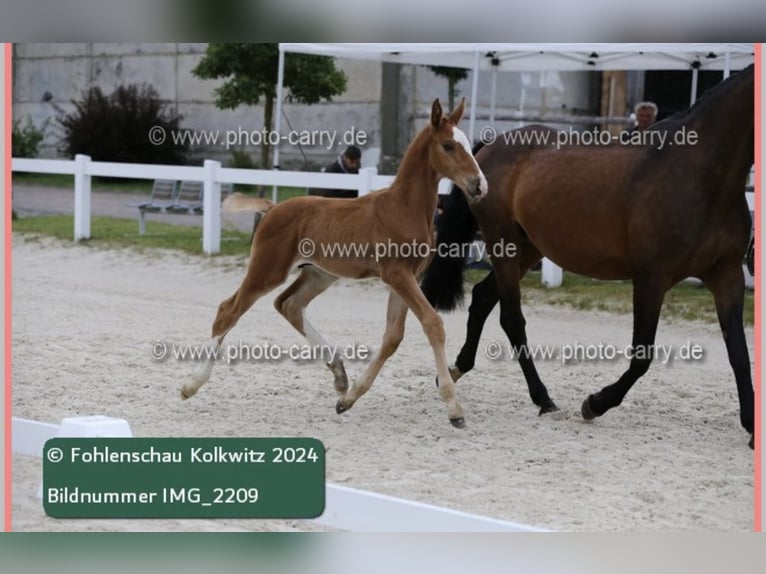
484	297
647	303
728	286
291	304
265	272
513	323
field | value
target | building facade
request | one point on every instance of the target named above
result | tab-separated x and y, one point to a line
384	104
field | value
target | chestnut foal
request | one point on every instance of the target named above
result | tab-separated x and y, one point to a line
387	234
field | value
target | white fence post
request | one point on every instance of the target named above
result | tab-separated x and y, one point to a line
552	275
366	175
81	197
211	205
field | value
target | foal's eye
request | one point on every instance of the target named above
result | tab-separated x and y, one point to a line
448	146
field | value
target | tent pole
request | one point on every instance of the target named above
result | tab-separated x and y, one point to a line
693	95
474	92
278	119
494	96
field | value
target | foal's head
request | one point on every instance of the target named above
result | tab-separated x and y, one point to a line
450	153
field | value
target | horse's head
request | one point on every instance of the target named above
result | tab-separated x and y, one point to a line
450	153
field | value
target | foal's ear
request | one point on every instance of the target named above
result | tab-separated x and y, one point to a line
457	113
436	115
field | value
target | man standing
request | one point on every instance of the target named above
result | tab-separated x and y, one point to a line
348	162
646	115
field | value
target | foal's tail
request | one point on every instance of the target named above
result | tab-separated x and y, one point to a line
456	226
239	203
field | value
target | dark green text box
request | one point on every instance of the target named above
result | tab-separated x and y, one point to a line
183	478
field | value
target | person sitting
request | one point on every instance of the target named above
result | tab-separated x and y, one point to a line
348	162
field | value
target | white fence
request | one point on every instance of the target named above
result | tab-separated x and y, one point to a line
212	175
345	508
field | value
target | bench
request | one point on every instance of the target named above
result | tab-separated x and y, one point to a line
170	197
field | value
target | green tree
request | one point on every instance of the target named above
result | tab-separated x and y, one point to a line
250	71
453	75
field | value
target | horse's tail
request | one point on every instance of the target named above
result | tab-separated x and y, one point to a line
239	203
456	226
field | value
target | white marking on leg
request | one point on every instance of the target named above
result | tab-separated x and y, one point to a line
317	340
202	373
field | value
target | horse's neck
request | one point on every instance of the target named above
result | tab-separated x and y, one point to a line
725	130
718	149
416	182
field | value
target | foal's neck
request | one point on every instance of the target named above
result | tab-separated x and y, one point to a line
416	183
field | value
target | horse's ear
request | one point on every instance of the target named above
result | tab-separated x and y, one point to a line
457	113
436	115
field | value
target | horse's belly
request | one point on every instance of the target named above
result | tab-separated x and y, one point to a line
591	247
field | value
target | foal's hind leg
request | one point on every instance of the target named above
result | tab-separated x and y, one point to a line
264	273
647	303
728	286
291	304
393	335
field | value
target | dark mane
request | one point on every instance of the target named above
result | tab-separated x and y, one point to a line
705	100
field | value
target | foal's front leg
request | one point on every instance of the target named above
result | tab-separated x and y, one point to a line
396	316
407	286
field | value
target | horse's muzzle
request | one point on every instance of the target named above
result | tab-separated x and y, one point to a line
475	187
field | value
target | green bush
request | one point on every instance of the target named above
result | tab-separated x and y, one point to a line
26	139
240	159
131	125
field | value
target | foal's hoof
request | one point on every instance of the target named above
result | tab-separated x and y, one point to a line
458	422
751	444
549	408
587	412
186	394
340	408
454	372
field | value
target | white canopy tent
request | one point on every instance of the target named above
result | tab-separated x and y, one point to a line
531	57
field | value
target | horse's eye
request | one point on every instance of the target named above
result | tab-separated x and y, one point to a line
448	146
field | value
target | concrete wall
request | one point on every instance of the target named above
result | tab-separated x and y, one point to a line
388	103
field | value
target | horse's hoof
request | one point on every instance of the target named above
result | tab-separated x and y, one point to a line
587	412
549	408
458	422
751	444
340	408
185	394
436	380
455	373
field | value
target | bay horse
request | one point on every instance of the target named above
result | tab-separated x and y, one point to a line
619	212
314	233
